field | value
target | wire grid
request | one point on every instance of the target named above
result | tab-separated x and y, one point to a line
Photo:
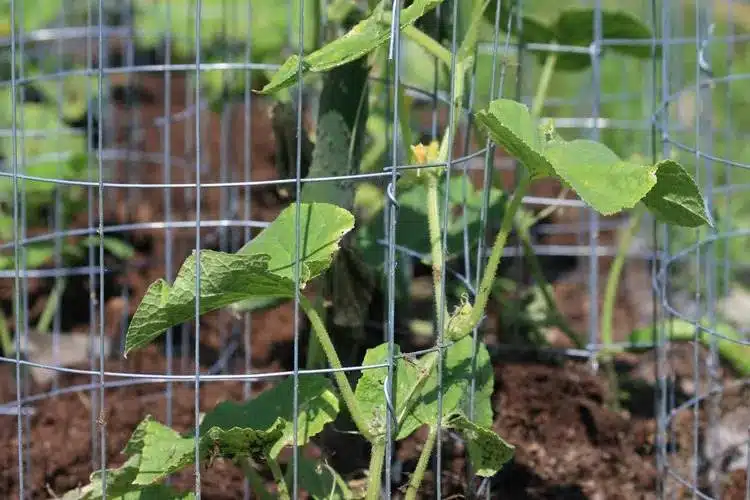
188	174
703	426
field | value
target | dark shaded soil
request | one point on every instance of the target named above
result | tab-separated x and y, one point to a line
569	444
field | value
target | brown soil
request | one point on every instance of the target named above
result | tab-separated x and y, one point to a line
569	444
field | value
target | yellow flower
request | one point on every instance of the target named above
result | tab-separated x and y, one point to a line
422	154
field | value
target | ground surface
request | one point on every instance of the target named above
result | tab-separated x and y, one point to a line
570	444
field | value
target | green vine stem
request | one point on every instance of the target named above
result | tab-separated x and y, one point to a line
538	275
610	295
314	352
543	86
50	307
333	359
436	246
256	482
428	43
278	476
424	459
488	276
375	471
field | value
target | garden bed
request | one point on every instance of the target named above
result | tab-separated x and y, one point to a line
569	443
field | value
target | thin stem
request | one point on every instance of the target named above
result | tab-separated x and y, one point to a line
436	245
428	43
488	277
278	476
433	210
615	271
375	473
538	274
543	85
424	459
50	307
256	482
314	351
610	295
333	359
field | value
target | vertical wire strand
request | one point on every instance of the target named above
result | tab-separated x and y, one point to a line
444	235
394	56
696	466
297	249
100	231
167	174
487	174
247	171
198	149
16	252
593	223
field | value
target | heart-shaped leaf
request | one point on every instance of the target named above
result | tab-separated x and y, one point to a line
597	174
264	267
676	199
510	125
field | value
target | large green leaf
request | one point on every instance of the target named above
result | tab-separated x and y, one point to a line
363	38
318	405
676	199
488	452
459	369
264	267
369	391
597	174
510	125
603	180
416	387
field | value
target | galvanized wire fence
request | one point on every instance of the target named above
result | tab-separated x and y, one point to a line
132	138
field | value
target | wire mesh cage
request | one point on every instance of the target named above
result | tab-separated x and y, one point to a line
360	249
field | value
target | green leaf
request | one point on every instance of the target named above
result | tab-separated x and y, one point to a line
575	27
262	268
510	125
488	452
458	371
318	405
362	39
322	225
371	398
599	176
595	172
320	480
119	481
416	387
676	199
164	451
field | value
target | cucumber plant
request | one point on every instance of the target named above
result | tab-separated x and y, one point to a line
433	389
